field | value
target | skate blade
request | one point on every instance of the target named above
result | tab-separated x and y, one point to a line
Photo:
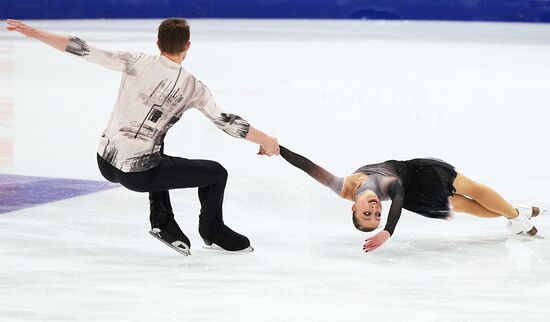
531	233
184	249
249	249
527	236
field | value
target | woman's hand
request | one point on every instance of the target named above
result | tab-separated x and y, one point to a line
376	241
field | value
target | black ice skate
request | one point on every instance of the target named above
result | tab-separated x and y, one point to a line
171	234
228	240
171	241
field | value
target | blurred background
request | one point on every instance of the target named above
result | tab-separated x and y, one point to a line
464	10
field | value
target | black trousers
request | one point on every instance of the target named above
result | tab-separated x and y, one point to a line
175	173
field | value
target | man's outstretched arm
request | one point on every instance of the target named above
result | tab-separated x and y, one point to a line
119	61
58	42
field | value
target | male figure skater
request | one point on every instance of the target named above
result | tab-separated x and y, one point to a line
155	91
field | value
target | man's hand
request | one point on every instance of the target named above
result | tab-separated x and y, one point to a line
16	25
58	42
269	147
376	241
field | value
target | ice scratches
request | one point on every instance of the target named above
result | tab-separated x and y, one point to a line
521	254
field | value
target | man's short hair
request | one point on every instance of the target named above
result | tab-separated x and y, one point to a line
173	35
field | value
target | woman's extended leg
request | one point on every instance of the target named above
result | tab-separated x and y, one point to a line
470	206
492	201
485	196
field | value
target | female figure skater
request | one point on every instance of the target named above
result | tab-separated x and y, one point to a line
429	187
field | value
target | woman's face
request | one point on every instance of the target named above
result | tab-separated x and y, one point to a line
368	210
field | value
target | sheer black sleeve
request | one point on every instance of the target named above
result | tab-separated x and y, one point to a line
316	172
397	195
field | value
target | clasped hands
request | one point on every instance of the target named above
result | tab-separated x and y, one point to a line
269	147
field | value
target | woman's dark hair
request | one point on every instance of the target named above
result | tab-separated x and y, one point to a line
173	35
358	225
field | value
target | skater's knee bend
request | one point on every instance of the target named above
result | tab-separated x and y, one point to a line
460	203
219	171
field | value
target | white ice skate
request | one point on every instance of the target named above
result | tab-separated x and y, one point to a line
527	211
521	224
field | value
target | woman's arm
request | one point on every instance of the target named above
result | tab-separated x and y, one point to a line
397	195
316	172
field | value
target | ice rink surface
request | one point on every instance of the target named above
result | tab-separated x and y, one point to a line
344	94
